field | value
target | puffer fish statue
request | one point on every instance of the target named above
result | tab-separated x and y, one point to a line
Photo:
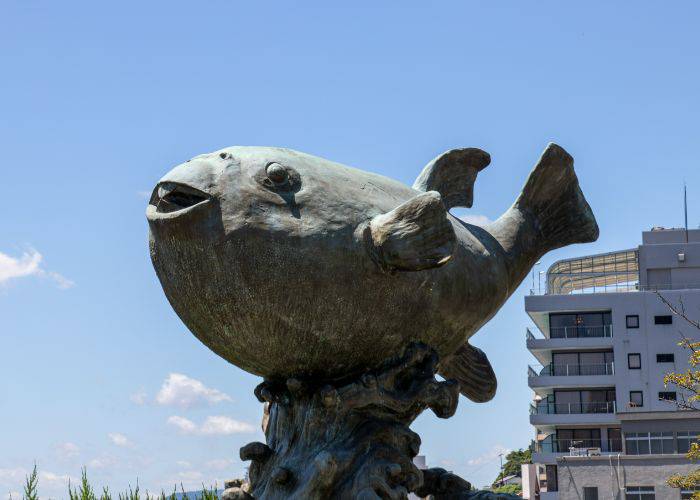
290	265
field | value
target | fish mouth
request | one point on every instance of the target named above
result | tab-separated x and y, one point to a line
173	198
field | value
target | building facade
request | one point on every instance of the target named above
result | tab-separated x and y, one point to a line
605	424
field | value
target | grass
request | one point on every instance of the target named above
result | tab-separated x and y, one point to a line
85	491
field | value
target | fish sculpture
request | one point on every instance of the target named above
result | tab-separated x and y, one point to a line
290	265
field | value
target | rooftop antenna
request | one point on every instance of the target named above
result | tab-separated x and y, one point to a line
685	210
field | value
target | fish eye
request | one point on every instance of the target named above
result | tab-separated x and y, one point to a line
277	173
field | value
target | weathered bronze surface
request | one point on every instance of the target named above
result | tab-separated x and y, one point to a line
289	265
314	275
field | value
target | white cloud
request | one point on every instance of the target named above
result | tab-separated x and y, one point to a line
67	450
190	475
61	281
29	264
220	425
216	425
50	484
14	474
139	397
26	265
184	425
102	462
184	464
476	219
120	440
490	455
219	464
183	391
53	478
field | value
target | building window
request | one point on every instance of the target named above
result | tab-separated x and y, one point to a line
634	361
632	321
649	443
636	399
640	493
684	438
665	358
665	319
590	493
577	438
576	325
583	401
614	439
667	396
551	474
581	363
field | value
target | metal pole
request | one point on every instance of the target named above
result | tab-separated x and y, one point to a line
501	456
685	210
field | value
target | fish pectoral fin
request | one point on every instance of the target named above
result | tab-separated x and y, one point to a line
471	368
414	236
452	174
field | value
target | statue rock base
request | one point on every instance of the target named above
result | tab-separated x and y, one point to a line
350	440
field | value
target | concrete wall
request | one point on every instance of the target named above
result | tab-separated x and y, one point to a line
611	478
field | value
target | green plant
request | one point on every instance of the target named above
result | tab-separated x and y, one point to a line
30	486
131	494
209	494
85	492
510	489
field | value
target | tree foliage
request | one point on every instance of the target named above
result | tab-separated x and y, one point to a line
514	460
688	383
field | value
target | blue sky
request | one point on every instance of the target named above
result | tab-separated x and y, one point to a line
98	100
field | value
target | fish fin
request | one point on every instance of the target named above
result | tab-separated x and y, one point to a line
553	198
452	174
414	236
471	368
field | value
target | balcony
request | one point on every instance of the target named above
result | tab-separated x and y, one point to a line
596	412
581	370
541	347
581	332
548	450
581	376
576	446
545	408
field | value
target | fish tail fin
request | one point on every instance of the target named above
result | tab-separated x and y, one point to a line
551	212
553	199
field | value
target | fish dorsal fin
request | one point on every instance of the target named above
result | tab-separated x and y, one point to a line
452	174
471	368
414	236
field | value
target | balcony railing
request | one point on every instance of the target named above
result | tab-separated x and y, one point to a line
575	332
558	370
567	445
544	408
627	287
529	335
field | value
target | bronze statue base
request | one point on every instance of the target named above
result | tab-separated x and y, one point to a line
351	440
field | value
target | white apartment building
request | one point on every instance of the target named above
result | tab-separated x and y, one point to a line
605	425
